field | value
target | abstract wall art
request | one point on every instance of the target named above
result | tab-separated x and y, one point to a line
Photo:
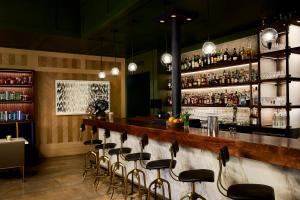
77	97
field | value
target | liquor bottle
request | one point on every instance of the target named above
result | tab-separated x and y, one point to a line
225	55
242	55
169	84
234	55
255	96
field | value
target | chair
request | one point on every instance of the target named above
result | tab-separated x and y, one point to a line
136	173
91	156
190	176
242	191
119	152
104	157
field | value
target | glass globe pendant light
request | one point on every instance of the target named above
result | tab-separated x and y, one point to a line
132	66
166	58
268	36
208	46
115	71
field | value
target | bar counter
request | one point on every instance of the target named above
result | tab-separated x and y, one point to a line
280	151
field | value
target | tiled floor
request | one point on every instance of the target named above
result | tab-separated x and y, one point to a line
53	179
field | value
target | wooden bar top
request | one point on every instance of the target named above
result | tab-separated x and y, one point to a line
270	149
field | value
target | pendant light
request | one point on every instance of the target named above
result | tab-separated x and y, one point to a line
101	74
166	58
208	46
115	70
268	36
132	66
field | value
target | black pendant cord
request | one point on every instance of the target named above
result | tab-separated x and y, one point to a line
101	63
115	46
208	19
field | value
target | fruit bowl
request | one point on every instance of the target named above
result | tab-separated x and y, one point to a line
174	125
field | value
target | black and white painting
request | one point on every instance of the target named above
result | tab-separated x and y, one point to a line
76	97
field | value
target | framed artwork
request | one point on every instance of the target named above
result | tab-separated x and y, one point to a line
75	97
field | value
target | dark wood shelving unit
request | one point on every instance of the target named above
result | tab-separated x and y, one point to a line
12	106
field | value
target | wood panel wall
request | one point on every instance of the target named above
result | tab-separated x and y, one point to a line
59	135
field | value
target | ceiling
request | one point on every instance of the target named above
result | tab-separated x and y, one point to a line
78	26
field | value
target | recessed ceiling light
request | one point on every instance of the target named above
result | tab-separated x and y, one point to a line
188	19
162	21
173	16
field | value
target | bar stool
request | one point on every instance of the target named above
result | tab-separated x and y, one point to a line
104	157
191	176
242	191
119	152
135	157
91	155
159	182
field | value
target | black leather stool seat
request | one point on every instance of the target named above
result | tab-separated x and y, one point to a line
116	151
106	146
198	175
95	141
251	192
137	156
160	164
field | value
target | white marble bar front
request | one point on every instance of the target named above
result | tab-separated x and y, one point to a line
285	181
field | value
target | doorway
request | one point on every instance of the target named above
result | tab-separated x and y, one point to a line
138	94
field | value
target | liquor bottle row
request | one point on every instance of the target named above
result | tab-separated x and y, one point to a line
215	98
13	116
13	96
214	79
16	80
220	56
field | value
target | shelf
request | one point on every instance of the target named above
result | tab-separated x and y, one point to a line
280	54
295	50
19	85
219	66
213	105
224	85
277	80
272	106
14	121
9	101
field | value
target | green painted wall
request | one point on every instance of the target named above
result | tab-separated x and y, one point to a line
47	16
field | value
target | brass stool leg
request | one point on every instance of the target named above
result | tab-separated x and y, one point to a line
159	183
135	173
169	187
149	188
116	166
88	156
104	160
